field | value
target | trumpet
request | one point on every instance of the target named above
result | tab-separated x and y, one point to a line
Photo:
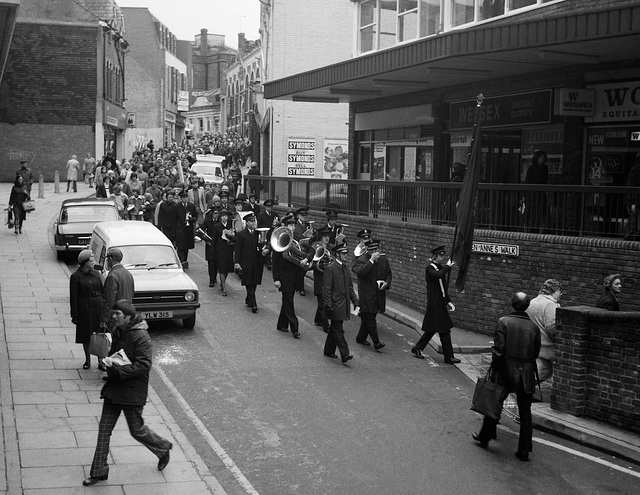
262	235
204	236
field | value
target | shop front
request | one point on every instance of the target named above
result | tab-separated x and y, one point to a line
113	127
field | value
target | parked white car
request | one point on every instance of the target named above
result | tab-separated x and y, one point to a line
162	289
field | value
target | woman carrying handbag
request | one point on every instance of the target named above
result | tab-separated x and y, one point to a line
18	196
515	349
85	298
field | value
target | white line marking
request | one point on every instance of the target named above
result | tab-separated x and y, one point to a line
588	457
224	457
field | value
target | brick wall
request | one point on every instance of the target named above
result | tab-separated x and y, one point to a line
598	369
581	263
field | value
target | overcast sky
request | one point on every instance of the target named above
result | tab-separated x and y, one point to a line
185	18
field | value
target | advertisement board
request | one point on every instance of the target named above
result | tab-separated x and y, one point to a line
301	157
336	159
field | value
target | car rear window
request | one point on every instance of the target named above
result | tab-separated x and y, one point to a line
88	213
144	257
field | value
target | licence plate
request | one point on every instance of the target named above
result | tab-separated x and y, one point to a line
147	315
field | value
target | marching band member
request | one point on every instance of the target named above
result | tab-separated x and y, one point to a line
223	248
319	266
337	291
269	220
248	260
253	205
301	227
374	280
185	215
210	220
286	272
332	225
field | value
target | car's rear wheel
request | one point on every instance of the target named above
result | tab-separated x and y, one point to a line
190	322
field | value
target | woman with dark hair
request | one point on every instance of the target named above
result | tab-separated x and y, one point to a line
19	195
612	287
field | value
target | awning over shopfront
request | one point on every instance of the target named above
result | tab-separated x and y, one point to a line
495	50
8	14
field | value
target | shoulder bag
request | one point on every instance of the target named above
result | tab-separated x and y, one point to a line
29	205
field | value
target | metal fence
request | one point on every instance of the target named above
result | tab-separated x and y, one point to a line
592	211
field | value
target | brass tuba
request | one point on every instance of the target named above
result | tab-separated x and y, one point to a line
360	249
282	241
322	256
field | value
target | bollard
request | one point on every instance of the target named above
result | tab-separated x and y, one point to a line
41	186
56	182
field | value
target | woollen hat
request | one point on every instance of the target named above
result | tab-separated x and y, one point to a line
550	286
125	306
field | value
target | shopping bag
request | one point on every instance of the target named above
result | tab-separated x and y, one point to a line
28	206
488	397
9	217
99	344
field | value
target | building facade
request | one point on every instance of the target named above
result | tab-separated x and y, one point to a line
155	79
304	136
62	93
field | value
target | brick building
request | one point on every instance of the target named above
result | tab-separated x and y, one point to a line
155	79
298	37
63	91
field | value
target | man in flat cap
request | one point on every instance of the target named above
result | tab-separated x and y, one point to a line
436	318
337	292
249	256
374	280
542	312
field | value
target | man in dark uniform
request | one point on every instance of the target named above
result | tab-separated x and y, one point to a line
185	215
436	318
286	270
332	226
267	219
374	280
248	257
319	267
301	226
337	291
516	345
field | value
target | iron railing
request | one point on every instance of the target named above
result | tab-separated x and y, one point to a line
592	211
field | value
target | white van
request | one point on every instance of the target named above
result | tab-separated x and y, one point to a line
209	168
162	289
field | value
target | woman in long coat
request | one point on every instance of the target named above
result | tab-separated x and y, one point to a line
210	220
18	195
223	250
85	297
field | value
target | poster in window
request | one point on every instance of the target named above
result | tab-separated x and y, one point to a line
378	171
409	164
336	159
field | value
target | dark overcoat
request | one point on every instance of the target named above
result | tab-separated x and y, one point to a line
222	249
85	298
208	226
372	300
516	345
128	384
249	255
436	318
185	232
286	270
337	291
608	301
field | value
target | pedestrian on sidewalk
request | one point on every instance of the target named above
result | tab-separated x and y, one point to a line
338	293
542	312
516	345
73	168
19	194
85	298
126	391
118	285
27	175
436	318
612	287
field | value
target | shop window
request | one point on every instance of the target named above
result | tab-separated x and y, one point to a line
364	162
379	169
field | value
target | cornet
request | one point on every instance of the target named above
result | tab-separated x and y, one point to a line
204	236
262	235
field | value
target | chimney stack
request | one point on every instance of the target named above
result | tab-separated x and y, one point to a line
203	41
241	42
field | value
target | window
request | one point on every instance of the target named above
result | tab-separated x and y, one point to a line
429	17
407	20
463	12
491	8
368	27
387	24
